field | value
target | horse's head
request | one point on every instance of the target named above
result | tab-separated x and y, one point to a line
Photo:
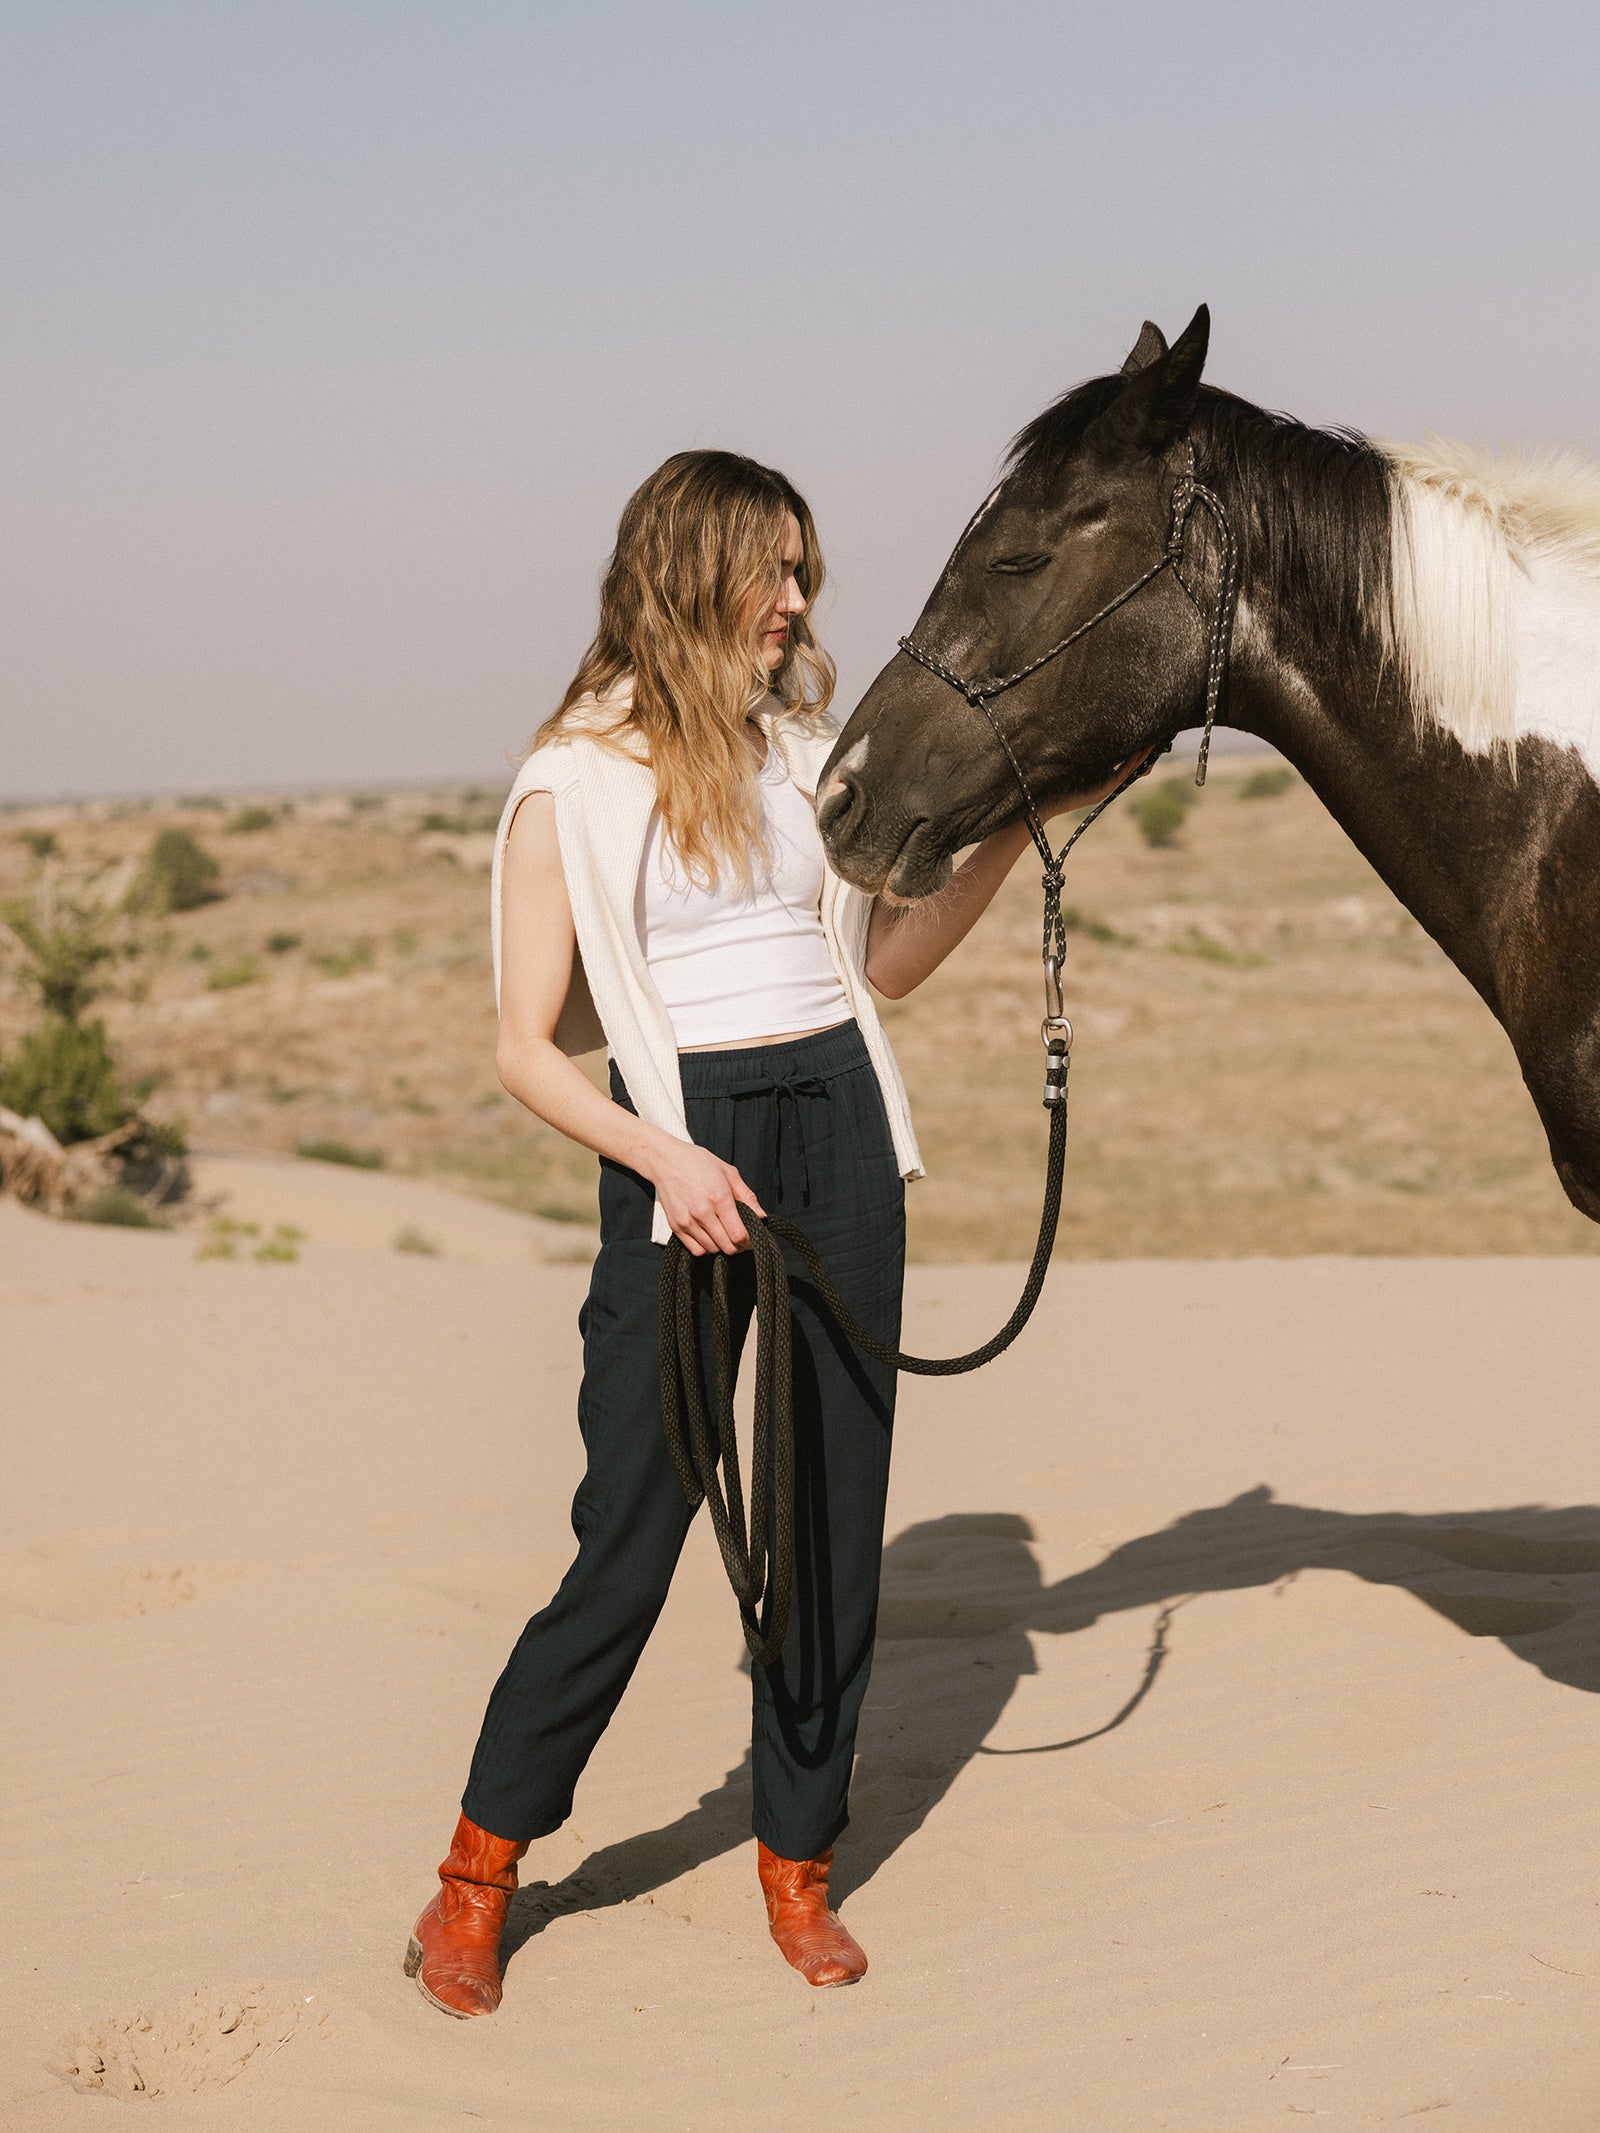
1084	509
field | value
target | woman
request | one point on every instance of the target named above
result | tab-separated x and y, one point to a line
660	887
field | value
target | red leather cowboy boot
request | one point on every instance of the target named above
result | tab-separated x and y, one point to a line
454	1953
809	1934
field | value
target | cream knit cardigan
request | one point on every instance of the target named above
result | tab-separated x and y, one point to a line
604	799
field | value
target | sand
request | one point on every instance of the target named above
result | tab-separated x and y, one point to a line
270	1529
331	1203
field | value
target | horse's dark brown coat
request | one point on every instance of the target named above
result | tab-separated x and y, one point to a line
1502	870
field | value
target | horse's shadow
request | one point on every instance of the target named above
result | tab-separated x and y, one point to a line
962	1595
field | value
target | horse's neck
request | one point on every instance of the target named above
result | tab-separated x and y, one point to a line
1450	831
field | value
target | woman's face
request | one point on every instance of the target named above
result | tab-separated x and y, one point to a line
790	599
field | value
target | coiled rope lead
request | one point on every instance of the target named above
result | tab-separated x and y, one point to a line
700	1440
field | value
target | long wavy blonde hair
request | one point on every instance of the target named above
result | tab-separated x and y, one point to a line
692	580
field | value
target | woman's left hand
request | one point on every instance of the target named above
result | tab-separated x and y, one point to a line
1068	803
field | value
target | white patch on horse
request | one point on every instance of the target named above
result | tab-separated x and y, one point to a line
854	760
1556	621
1496	597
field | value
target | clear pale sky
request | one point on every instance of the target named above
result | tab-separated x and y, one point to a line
336	333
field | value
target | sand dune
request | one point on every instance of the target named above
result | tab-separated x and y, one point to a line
1304	1556
332	1203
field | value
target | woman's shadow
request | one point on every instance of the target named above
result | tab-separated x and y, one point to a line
963	1597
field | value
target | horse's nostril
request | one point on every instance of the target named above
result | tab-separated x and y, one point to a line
835	804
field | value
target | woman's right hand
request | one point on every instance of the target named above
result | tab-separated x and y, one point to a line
697	1191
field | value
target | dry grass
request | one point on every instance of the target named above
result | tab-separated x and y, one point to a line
1271	1057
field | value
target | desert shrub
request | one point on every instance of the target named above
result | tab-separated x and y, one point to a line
249	819
113	1204
282	943
63	945
63	1072
1267	784
238	970
1095	929
362	802
340	962
414	1240
331	1151
178	874
458	825
42	843
1162	813
1210	950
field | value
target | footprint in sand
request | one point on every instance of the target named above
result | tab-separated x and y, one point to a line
190	2048
86	1577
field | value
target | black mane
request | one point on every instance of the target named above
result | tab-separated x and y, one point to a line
1310	506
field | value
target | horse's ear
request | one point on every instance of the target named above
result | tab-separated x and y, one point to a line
1156	403
1149	348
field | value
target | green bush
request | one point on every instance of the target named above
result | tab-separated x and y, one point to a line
114	1205
1162	813
340	962
63	945
238	970
1267	784
249	819
42	843
63	1073
178	874
1096	929
328	1151
458	825
282	943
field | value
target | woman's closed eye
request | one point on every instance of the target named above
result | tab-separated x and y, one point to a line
1019	566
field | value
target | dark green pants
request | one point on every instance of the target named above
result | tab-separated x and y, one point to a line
805	1125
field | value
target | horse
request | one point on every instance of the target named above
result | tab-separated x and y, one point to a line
1417	629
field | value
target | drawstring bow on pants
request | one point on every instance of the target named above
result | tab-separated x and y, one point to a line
788	1088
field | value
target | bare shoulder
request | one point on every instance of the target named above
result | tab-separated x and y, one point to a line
533	871
534	823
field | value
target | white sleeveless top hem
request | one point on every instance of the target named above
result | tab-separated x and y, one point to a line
734	963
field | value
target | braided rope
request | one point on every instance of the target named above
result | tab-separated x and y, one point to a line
1221	624
699	1442
1186	493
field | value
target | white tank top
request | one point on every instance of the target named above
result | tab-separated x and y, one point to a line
730	964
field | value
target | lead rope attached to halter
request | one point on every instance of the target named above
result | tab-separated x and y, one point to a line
699	1441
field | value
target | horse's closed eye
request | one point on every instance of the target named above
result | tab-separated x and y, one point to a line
1018	566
